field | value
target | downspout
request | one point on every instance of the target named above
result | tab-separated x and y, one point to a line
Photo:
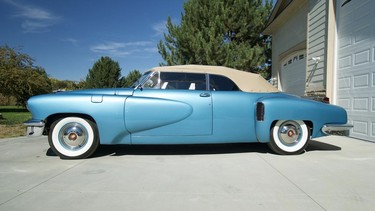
308	80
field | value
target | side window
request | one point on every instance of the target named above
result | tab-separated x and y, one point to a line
187	81
222	83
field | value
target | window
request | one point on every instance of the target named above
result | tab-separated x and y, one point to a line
222	83
152	81
186	81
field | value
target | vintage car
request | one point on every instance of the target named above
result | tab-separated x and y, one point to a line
187	104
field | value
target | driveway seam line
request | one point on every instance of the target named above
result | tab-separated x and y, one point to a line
294	184
37	185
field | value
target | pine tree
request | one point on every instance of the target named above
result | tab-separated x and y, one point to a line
219	32
131	78
105	73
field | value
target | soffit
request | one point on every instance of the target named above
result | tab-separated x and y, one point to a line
282	11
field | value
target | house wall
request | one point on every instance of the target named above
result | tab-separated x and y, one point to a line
290	37
316	46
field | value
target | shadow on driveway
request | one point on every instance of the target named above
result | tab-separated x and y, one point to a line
197	149
321	146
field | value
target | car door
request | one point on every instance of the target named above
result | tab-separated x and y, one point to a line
180	105
233	111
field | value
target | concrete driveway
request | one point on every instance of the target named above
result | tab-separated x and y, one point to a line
336	173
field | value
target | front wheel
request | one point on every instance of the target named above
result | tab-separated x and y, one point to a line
289	137
73	138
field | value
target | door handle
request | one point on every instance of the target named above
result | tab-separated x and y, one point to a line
205	94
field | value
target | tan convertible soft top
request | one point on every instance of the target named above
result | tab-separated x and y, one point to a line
247	82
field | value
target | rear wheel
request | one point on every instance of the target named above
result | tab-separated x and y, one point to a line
289	137
73	138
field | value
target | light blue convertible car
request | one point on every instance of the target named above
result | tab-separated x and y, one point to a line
190	104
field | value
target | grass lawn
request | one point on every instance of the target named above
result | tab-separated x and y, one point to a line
12	123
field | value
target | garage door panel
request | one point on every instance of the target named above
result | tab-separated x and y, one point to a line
362	56
345	103
364	128
356	65
345	42
344	83
361	104
345	61
360	128
361	81
293	74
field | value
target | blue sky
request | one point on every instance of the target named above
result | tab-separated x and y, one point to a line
66	37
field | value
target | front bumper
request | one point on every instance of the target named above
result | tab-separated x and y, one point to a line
336	129
34	127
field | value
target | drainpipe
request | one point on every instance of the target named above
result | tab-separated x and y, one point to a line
308	80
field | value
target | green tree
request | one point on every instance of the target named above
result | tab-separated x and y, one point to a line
105	73
19	78
81	84
131	78
64	84
220	32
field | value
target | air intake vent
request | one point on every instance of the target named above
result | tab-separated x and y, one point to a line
260	111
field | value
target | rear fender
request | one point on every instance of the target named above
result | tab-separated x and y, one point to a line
314	114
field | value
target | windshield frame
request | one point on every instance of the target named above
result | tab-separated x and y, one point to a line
143	79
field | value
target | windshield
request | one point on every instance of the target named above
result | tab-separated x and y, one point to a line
148	80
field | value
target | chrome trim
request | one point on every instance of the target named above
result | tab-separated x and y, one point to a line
290	133
333	128
34	123
34	127
73	136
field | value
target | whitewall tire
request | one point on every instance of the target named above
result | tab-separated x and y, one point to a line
73	138
289	137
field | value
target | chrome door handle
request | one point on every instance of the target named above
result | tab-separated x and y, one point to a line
205	94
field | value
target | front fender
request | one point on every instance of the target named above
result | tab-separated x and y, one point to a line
295	108
106	110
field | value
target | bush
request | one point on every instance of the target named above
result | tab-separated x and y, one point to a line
7	101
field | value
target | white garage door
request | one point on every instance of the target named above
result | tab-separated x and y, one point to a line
356	65
293	73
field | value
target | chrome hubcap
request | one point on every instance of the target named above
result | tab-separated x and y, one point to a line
290	133
73	136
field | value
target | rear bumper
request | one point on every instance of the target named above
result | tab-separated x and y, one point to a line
336	129
34	127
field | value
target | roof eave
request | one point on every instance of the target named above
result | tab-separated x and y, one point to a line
281	12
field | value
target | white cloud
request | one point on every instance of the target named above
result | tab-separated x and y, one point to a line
159	28
107	46
35	26
34	19
151	50
70	40
121	49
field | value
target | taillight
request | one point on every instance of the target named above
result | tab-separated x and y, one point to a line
326	100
